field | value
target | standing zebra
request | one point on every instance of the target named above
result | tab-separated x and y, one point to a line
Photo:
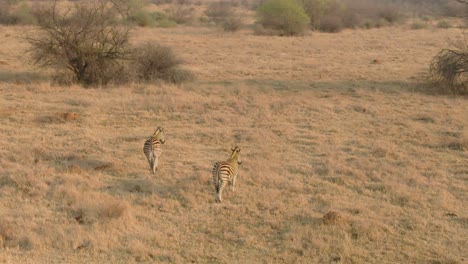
225	172
152	148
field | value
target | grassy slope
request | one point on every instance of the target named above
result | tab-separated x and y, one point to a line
343	136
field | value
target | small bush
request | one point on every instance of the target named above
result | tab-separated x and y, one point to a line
181	14
284	16
232	23
156	62
221	13
444	24
418	25
142	19
178	76
390	13
317	10
218	11
22	14
153	19
331	24
449	68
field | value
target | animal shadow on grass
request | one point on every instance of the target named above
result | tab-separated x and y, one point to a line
181	189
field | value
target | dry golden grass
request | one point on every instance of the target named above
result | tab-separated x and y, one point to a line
321	129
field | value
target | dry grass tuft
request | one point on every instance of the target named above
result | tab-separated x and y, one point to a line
91	210
333	218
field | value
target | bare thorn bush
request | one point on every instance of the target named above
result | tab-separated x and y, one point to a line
450	66
84	42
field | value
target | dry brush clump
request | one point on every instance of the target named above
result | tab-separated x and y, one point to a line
83	42
12	13
222	13
449	68
153	62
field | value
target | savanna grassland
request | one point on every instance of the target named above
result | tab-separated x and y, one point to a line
326	122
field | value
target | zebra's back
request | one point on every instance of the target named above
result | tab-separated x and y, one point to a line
152	149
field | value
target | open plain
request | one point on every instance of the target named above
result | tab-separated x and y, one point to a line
326	122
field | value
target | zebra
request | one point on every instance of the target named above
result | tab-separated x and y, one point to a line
152	148
225	172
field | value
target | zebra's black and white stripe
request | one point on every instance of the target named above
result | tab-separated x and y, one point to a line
225	172
152	148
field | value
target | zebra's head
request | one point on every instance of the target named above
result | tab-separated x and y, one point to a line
159	135
236	154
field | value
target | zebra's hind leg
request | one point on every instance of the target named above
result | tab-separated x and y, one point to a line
155	164
233	182
222	185
219	193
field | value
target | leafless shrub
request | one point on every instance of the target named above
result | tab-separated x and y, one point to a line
218	11
391	13
450	66
180	14
221	13
232	23
84	42
331	24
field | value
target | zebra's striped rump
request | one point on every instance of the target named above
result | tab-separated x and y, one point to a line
152	149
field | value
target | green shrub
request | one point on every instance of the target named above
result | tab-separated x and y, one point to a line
319	9
284	16
141	18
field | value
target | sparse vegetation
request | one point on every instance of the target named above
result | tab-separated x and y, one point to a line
286	17
332	128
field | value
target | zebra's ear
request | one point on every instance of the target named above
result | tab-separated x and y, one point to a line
232	149
161	129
